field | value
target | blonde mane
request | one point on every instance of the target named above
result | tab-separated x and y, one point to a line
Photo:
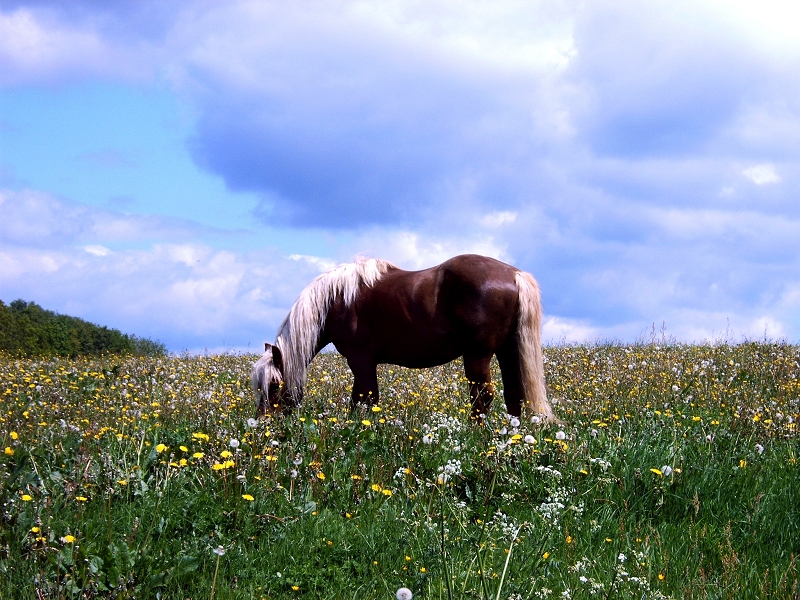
299	333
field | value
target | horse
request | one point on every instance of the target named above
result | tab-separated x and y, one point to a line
375	313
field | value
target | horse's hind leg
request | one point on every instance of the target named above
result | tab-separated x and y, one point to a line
513	393
481	390
365	380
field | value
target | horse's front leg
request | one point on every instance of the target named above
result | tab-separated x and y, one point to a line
481	390
365	380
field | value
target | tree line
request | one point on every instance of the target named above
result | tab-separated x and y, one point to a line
28	329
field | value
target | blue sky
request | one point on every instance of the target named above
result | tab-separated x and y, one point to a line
182	170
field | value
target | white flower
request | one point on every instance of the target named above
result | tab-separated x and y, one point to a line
529	439
666	470
675	388
293	473
404	594
298	459
234	443
503	431
759	448
427	438
560	435
536	420
593	433
251	422
514	422
219	551
622	558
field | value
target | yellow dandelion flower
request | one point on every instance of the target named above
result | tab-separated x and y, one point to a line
26	498
81	498
68	539
742	464
248	497
14	435
295	587
546	555
217	466
376	409
9	451
366	422
321	476
376	487
657	472
183	448
122	481
198	455
161	447
386	493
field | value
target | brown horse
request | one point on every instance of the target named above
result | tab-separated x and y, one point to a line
374	312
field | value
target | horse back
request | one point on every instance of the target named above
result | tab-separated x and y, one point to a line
466	305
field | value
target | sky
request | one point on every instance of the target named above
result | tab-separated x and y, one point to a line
181	170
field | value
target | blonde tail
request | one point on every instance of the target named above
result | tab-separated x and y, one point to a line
529	344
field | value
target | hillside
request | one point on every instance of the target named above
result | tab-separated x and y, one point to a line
28	329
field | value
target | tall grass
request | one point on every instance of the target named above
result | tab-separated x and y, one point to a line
673	474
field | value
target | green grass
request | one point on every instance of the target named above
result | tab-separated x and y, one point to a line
100	499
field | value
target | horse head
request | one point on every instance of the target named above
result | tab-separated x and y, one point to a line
268	383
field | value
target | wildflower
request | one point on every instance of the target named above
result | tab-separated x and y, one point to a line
622	558
546	555
26	498
321	476
666	470
35	529
219	551
198	455
514	422
233	443
68	539
426	439
14	435
366	422
536	420
376	487
759	448
81	498
404	594
161	447
248	497
742	464
298	459
251	422
225	454
183	448
529	439
293	473
122	481
376	409
9	451
295	587
561	436
657	472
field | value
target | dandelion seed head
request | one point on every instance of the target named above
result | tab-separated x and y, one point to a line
404	594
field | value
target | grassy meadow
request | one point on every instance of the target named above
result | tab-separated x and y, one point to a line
674	474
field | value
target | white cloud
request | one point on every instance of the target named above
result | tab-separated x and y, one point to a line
497	219
761	174
97	250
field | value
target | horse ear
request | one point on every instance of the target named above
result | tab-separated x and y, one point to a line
266	346
277	358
